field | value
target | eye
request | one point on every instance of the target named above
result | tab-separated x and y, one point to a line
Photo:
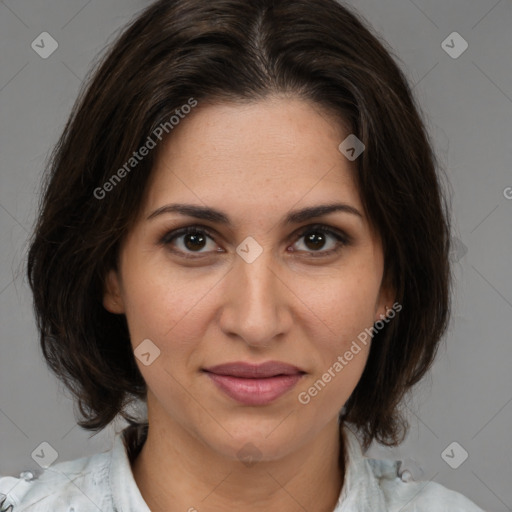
193	239
317	236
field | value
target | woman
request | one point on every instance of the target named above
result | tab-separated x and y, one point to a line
243	228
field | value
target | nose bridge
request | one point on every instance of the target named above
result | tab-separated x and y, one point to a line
253	299
257	278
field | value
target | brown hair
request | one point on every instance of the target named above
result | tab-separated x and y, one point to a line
233	50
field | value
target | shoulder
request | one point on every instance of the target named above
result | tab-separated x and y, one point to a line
380	484
406	495
67	486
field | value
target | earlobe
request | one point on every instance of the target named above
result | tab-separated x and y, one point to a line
112	300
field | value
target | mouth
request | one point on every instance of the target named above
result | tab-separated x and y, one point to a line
254	371
251	384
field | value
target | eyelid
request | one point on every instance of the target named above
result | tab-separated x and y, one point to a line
342	237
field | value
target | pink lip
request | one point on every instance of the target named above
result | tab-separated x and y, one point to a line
255	384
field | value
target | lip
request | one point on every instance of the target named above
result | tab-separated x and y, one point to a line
254	371
252	384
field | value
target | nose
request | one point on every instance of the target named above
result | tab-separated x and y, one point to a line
256	302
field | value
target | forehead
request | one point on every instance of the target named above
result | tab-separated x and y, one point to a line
269	154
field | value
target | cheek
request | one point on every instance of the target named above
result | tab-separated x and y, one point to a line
342	345
160	302
171	309
160	313
345	304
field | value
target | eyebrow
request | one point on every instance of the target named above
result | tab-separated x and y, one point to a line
293	217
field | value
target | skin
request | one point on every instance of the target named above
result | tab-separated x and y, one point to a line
255	162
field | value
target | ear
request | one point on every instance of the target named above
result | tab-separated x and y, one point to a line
386	299
112	299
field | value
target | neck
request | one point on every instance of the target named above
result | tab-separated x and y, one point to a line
176	472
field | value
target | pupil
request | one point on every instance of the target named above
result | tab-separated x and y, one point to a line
316	239
194	238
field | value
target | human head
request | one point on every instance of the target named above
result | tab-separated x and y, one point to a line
223	51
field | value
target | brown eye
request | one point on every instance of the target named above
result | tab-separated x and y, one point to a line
317	237
319	240
192	239
315	240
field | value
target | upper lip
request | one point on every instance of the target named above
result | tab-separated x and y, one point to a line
254	371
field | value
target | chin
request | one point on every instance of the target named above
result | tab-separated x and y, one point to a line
249	444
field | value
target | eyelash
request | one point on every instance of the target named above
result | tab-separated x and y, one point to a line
342	238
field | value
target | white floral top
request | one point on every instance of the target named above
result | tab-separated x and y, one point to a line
104	482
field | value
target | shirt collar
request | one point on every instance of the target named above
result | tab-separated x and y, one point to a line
361	490
125	493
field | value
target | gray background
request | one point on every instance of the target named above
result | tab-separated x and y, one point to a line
468	106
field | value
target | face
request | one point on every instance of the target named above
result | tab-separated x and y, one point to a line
252	283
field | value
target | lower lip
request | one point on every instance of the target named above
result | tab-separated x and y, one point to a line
255	391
